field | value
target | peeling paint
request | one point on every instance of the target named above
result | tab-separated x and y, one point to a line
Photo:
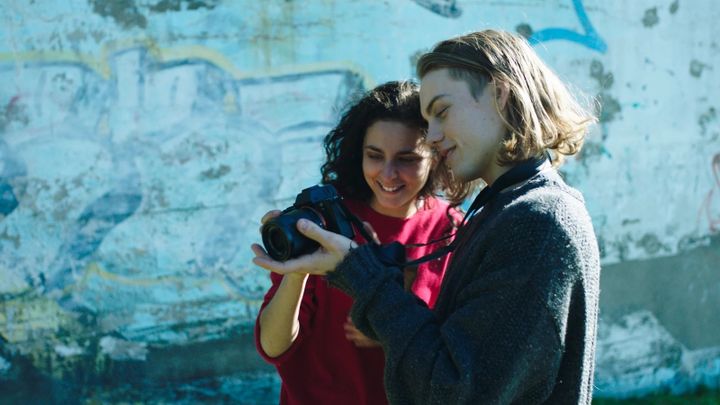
650	19
118	349
636	356
69	350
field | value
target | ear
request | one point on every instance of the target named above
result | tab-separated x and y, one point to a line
502	94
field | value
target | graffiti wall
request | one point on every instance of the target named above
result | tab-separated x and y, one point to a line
141	141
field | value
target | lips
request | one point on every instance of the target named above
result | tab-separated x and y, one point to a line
389	189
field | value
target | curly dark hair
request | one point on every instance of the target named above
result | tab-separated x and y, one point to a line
397	101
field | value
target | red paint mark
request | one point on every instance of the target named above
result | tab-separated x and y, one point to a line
713	213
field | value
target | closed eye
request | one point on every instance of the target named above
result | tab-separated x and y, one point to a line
442	113
410	159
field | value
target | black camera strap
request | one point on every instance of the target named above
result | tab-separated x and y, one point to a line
393	254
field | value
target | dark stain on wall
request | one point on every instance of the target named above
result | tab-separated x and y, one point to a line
124	12
674	6
650	19
652	245
681	291
15	112
524	29
705	119
215	173
15	239
8	200
597	71
164	6
696	68
609	105
444	8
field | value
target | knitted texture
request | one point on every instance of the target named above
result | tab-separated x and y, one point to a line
515	321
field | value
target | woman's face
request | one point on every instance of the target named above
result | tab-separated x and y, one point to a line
396	164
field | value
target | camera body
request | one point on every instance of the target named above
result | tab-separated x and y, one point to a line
320	204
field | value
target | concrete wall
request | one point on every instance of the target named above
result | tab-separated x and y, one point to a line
140	141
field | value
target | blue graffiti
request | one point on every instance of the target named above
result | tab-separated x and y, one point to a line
590	38
8	200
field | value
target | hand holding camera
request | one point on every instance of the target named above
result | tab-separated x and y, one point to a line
315	223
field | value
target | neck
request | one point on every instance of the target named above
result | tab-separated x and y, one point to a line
405	211
495	172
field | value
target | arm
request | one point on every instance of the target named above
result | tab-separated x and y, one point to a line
279	320
498	340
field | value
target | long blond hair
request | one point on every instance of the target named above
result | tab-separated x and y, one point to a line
541	115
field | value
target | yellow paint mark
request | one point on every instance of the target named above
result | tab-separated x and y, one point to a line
102	66
22	319
95	269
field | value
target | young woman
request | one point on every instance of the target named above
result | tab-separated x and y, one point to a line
516	318
388	177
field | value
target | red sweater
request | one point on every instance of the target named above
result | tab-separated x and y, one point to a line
322	366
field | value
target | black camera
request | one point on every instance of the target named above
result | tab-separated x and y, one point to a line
320	204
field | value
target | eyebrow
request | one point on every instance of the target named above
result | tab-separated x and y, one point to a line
430	104
401	153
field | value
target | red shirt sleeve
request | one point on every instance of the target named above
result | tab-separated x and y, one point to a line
308	306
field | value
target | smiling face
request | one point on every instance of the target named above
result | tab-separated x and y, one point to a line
466	132
396	164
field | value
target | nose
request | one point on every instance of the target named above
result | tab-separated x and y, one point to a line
434	134
389	171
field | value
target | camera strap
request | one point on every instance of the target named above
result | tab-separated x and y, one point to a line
393	254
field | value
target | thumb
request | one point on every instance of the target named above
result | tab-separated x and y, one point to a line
313	231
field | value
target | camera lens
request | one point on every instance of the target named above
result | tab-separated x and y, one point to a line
278	241
281	238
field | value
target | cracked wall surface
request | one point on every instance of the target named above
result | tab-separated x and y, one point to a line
140	142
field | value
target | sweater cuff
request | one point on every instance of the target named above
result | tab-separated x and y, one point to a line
361	272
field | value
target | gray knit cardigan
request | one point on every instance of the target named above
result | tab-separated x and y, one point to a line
516	318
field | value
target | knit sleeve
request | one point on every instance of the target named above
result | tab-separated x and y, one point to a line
501	341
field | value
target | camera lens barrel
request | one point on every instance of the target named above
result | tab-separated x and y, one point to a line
281	238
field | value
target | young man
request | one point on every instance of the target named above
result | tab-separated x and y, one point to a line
516	318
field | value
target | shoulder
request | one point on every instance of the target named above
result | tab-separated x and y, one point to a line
546	210
547	197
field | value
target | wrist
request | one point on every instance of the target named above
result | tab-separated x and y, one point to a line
296	277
